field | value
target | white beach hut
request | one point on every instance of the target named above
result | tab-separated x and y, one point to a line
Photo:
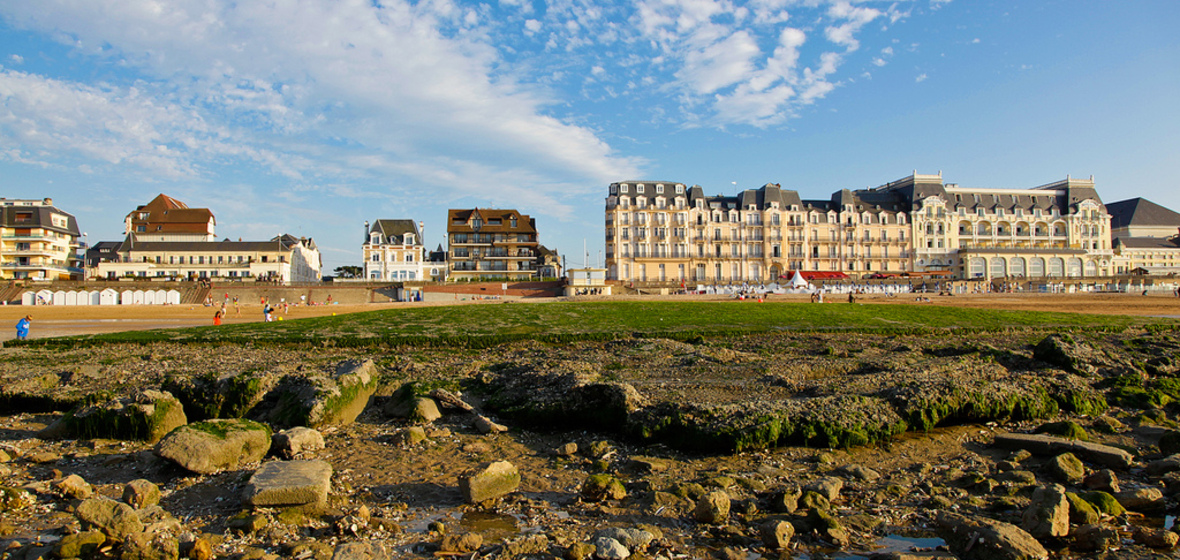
173	297
149	297
137	297
28	298
44	297
71	298
95	297
161	297
59	297
108	297
127	297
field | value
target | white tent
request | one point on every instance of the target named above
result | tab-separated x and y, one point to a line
108	297
797	281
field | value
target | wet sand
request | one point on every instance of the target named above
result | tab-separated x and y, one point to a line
50	321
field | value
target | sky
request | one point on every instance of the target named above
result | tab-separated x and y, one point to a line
310	117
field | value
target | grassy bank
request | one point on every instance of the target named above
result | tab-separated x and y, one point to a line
485	325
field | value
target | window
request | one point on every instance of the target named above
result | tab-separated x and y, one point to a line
639	189
409	257
679	189
660	189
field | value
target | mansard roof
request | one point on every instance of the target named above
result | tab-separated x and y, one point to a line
394	231
1140	212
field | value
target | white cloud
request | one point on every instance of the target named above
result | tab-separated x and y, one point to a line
854	18
17	59
401	82
921	78
879	62
532	25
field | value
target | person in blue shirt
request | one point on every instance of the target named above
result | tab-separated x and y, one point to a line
22	327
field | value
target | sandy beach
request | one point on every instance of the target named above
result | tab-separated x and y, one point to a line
51	321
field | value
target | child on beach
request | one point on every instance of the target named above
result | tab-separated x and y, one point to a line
22	327
217	318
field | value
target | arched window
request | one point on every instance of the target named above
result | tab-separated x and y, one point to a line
1016	266
1036	267
1056	267
977	265
999	267
1091	269
1073	267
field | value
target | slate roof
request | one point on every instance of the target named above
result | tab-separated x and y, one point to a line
1148	242
280	243
459	221
1140	212
41	218
394	231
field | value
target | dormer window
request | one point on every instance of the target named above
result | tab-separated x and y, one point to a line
660	189
614	189
679	189
476	223
639	189
375	239
409	239
512	221
623	188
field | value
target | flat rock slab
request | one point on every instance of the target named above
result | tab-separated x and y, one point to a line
979	538
1104	455
289	483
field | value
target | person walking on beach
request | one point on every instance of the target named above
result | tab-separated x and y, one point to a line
22	327
217	318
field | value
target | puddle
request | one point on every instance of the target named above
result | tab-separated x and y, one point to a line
885	545
492	526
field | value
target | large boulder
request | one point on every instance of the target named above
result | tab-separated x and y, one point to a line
321	400
145	415
405	403
1063	351
230	395
215	445
293	441
979	538
489	481
289	483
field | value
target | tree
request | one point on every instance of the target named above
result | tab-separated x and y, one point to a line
349	271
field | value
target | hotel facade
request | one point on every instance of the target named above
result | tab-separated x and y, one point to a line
664	231
38	241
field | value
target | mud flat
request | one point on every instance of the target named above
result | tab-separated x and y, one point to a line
800	445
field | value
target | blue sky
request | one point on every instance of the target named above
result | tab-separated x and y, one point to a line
309	117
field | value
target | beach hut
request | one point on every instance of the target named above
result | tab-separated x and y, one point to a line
108	297
149	297
28	298
95	297
161	297
83	298
44	297
59	297
71	298
137	297
173	297
127	297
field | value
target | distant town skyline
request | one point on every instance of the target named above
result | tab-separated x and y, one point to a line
312	117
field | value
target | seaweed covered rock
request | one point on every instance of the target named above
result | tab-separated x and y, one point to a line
144	415
489	481
214	445
320	400
598	487
116	520
561	397
231	395
406	403
1063	351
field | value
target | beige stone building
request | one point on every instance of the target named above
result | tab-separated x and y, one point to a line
394	251
38	241
1146	237
662	231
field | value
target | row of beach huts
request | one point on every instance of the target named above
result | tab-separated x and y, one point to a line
108	296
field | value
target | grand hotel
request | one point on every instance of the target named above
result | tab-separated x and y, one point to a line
663	231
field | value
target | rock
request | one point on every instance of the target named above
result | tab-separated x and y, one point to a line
1104	480
649	465
776	535
320	400
156	519
634	540
1067	429
1104	502
785	500
489	481
73	486
465	543
598	487
528	546
979	538
862	473
1081	512
410	436
1155	538
1170	443
580	551
202	549
214	445
363	550
1096	537
1141	499
447	399
1164	466
43	457
1066	468
1062	351
485	425
140	493
83	544
828	526
231	395
15	499
712	508
1048	515
248	523
116	520
289	483
607	548
828	487
566	450
1105	455
146	546
293	441
1107	425
404	403
145	415
814	500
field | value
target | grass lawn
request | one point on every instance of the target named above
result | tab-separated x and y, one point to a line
483	325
